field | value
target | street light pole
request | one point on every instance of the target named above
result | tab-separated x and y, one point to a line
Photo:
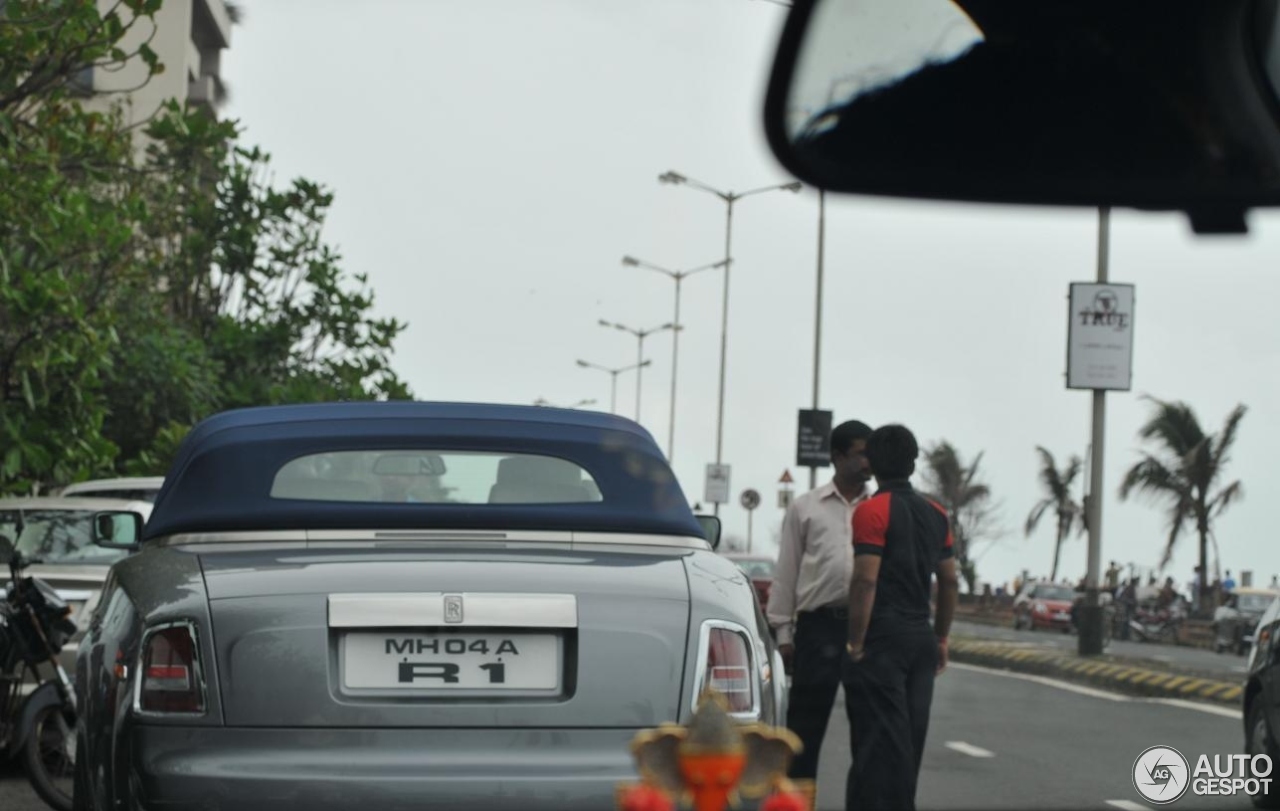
678	276
640	335
1090	638
817	316
613	374
729	199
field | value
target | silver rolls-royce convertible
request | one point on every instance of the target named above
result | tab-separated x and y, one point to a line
411	606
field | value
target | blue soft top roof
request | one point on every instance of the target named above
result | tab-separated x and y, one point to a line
223	473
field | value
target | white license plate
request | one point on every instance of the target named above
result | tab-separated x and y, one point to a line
387	660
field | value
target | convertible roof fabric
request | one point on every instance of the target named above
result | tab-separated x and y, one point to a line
222	475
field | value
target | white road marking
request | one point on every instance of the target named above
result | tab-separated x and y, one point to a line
1061	685
1225	712
969	749
1128	805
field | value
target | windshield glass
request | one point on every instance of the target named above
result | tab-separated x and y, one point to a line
1254	603
435	477
1054	593
757	569
56	536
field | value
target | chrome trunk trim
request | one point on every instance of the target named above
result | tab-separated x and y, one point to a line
440	609
314	538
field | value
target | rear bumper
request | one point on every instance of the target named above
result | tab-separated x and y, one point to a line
368	769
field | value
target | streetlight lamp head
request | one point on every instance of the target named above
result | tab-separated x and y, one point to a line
604	323
672	177
646	363
583	364
630	261
794	187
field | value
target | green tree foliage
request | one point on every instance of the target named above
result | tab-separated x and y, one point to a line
1057	498
142	290
967	500
1185	469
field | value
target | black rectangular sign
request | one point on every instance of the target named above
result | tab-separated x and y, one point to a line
813	442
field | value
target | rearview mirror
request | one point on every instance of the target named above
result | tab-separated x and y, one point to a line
409	464
117	529
1060	102
710	529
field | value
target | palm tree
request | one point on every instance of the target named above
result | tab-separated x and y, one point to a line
1185	471
955	486
1057	489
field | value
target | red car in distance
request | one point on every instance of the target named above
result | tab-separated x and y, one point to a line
759	568
1044	605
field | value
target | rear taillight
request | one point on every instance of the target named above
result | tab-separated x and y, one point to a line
169	675
729	668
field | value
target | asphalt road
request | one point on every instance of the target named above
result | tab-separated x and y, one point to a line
1228	666
1009	741
1003	741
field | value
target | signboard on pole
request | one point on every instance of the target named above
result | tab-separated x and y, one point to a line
813	439
1100	337
716	489
750	499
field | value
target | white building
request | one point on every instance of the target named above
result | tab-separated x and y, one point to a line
189	37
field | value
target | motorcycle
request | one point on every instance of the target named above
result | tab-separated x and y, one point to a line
36	725
1158	625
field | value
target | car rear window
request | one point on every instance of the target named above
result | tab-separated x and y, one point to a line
434	477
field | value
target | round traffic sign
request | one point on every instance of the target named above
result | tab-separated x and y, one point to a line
749	499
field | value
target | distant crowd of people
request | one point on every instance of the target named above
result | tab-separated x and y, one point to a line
1131	591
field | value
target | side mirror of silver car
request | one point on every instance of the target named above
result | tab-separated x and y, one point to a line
710	529
117	529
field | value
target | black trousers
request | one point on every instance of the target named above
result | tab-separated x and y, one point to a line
815	676
888	694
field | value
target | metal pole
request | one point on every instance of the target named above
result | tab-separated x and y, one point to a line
639	369
675	357
817	318
750	515
613	393
724	332
1090	639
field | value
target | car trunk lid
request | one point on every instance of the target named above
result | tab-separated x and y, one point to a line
476	636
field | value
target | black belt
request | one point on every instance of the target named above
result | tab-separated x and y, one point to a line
840	612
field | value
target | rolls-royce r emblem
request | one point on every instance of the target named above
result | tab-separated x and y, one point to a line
453	608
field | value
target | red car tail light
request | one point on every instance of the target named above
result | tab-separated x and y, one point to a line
169	678
728	667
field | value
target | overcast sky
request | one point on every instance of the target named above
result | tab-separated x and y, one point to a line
493	160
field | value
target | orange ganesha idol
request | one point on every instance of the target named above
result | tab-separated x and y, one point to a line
711	763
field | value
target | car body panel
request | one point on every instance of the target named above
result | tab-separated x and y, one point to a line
1262	679
270	607
199	769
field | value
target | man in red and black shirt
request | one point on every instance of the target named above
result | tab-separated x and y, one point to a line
901	540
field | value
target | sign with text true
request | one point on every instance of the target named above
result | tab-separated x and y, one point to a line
813	440
1100	337
716	490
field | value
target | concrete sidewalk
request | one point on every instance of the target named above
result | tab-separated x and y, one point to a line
1141	677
